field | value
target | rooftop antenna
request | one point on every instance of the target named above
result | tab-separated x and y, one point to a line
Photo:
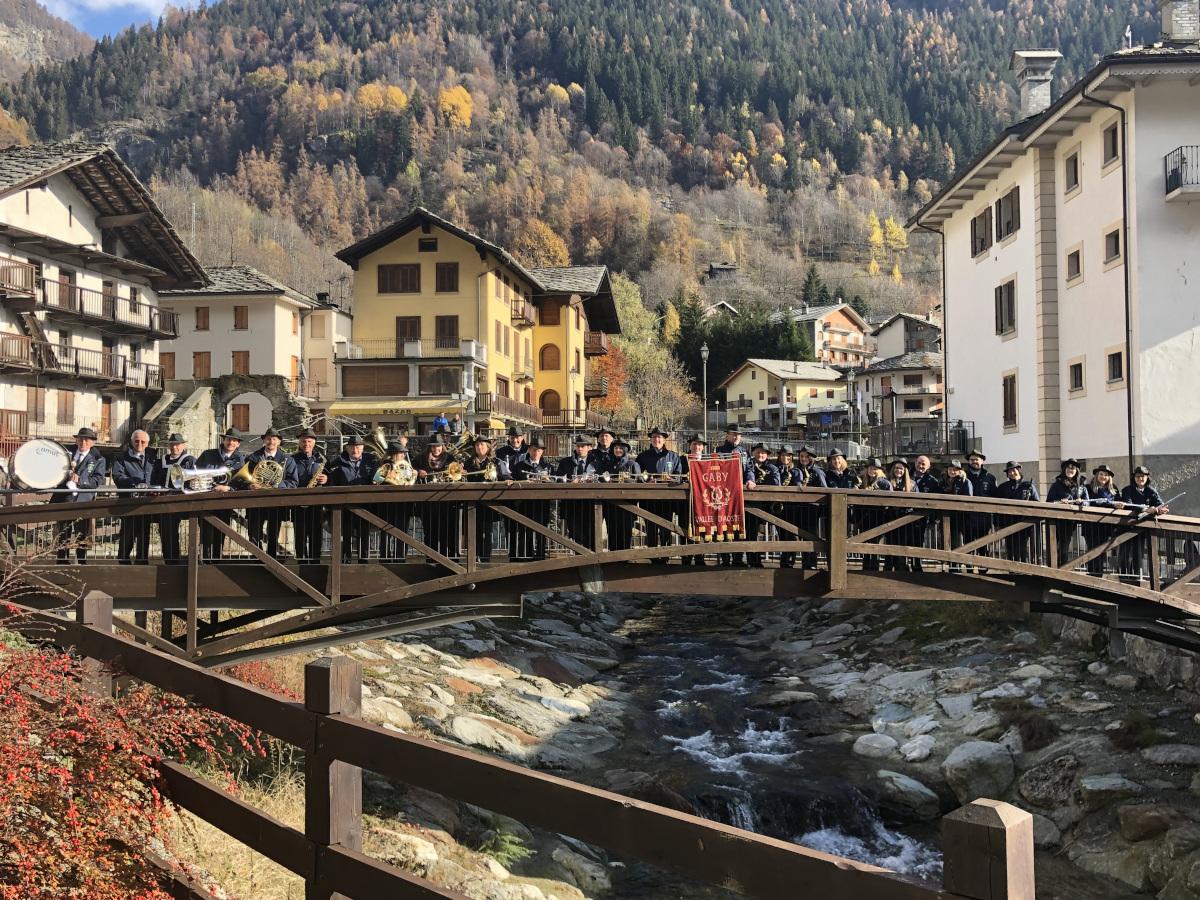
1128	37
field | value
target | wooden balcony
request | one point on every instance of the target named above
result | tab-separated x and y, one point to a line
19	353
595	386
574	418
523	315
595	343
69	302
507	408
17	279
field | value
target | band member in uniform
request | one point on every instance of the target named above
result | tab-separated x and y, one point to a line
395	514
230	457
134	468
697	447
168	523
1069	487
983	484
810	516
657	460
88	472
1141	493
272	518
513	449
439	519
955	483
618	522
790	475
483	465
577	516
758	471
603	449
349	469
871	517
733	443
838	473
1017	487
1103	493
923	478
532	466
306	518
906	535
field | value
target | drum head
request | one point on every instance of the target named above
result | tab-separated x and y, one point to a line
40	465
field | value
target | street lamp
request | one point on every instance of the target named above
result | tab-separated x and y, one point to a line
704	359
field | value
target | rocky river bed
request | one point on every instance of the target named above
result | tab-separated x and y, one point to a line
848	727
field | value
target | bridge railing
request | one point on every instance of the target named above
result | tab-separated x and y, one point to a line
988	846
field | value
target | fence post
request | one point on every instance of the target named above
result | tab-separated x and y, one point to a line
332	789
95	610
987	850
839	529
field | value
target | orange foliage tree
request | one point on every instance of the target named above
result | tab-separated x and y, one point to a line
614	366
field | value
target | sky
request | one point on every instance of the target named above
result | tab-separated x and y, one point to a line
101	17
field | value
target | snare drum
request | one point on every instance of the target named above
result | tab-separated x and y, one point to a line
40	465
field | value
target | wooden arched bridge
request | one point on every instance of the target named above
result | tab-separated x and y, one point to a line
425	555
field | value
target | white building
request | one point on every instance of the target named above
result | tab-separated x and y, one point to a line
906	333
84	253
247	323
1070	305
838	333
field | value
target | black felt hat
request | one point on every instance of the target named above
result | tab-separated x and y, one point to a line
233	433
176	438
86	434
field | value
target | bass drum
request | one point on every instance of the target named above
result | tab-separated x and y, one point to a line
39	465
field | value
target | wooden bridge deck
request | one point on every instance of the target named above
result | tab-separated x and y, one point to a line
422	563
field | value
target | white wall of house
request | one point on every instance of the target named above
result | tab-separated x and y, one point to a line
260	412
977	357
323	329
269	337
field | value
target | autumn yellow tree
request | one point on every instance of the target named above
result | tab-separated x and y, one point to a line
894	235
536	244
874	235
456	106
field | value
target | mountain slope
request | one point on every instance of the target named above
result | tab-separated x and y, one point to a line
30	36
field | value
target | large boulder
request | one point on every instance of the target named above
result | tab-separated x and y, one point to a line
875	746
979	769
1172	755
906	797
1098	790
1051	783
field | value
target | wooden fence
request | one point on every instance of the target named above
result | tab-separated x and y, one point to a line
988	846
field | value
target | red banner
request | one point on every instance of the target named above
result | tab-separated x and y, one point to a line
717	501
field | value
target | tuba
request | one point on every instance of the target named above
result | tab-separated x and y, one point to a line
266	473
196	481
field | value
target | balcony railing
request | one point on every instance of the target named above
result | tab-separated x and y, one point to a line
924	435
739	404
523	314
391	348
595	343
17	279
507	408
62	298
1182	169
595	386
525	371
20	352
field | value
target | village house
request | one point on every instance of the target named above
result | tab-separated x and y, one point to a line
84	255
446	321
838	333
1070	321
774	394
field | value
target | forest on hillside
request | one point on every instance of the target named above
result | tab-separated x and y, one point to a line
654	138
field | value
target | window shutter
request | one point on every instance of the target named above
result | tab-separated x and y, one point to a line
999	303
1016	208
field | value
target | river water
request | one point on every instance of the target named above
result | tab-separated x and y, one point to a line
789	776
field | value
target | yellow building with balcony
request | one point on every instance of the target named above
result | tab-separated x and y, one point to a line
447	322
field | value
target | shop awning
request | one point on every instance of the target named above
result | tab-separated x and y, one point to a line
390	408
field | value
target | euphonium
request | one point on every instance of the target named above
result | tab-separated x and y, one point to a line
401	473
378	441
459	451
196	481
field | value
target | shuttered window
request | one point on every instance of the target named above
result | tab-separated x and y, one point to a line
1009	390
35	403
241	318
446	332
167	361
1006	308
1008	214
404	278
241	362
66	407
447	277
202	364
375	381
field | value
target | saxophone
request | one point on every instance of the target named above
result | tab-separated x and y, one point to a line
321	464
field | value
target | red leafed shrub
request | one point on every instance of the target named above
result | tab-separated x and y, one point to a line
78	802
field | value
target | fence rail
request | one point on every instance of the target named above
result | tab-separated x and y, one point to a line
106	306
1181	167
418	348
986	836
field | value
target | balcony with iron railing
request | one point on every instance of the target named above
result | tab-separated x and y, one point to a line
740	404
19	353
595	343
420	349
595	386
524	315
67	301
1181	169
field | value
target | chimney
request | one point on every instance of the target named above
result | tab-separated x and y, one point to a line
323	298
1035	71
1180	21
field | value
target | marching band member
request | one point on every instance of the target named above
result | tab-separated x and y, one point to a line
532	466
168	523
1068	487
1103	493
810	516
658	460
758	471
697	447
439	520
483	465
1141	493
838	474
272	518
88	471
1016	487
983	484
352	468
134	468
514	448
395	514
955	483
907	535
871	517
306	519
230	457
923	478
618	522
577	516
733	442
603	450
790	475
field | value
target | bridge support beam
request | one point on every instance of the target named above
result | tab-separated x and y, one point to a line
1116	637
987	849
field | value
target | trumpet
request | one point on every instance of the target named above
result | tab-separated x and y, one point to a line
196	481
452	473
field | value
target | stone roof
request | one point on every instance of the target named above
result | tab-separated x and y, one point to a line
21	166
788	370
921	320
570	279
917	359
814	313
242	280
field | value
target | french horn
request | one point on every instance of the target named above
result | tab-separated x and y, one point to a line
266	473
